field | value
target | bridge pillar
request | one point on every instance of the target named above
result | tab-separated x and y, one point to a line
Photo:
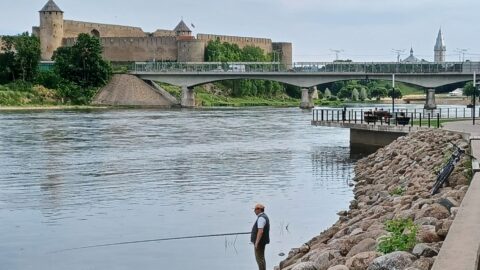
188	97
307	99
430	103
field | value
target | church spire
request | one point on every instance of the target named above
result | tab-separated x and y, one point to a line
440	48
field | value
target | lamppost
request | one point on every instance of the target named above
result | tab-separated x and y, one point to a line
474	96
393	95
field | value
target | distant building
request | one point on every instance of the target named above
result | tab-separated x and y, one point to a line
456	93
127	43
440	49
411	58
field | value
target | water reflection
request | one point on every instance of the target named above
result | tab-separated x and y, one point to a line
80	178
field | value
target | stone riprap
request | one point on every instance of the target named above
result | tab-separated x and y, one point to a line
393	183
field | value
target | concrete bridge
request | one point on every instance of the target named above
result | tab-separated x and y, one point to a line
303	74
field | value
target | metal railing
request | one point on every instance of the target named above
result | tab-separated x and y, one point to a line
401	117
310	67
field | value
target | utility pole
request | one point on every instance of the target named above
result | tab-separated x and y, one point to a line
461	54
474	96
393	96
337	52
399	52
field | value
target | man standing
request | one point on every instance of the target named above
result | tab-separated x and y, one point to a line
260	236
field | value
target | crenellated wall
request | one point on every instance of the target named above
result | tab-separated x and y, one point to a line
163	33
264	43
73	28
136	48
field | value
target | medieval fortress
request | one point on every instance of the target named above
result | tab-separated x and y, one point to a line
127	43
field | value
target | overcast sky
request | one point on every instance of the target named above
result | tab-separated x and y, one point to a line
366	30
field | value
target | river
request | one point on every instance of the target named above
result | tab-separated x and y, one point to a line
70	179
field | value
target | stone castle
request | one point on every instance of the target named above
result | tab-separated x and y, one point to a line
127	43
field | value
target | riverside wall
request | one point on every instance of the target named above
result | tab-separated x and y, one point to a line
407	164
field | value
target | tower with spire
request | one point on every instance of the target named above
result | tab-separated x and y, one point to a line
440	48
51	29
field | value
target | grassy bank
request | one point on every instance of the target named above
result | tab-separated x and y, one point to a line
209	98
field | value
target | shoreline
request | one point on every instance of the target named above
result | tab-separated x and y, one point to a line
392	184
50	107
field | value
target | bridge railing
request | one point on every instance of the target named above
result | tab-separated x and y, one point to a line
309	67
221	67
411	117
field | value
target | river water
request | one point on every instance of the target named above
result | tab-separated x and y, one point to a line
71	179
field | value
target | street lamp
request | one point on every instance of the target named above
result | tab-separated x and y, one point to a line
475	88
393	94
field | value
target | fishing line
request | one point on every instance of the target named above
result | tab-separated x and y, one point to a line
152	240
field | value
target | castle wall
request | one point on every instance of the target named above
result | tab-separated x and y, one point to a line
164	33
286	52
136	48
73	28
264	43
191	51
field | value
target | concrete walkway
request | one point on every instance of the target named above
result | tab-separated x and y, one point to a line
464	127
461	248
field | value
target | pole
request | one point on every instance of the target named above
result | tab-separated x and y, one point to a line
393	95
474	96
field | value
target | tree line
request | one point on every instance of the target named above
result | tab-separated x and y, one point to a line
77	71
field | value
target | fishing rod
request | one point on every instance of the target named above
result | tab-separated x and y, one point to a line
152	240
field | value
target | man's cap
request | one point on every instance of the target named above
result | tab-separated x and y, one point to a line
259	206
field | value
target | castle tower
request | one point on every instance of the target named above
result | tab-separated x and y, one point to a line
182	30
51	29
440	48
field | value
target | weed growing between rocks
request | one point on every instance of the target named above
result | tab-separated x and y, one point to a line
402	236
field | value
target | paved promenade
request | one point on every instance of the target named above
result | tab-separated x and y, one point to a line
461	248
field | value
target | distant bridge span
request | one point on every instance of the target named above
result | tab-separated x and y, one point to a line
305	75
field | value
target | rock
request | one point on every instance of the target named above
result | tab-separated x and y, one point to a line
322	259
443	229
427	221
342	213
305	266
422	263
356	232
338	267
397	260
304	248
365	245
343	245
281	254
361	260
434	210
424	250
454	211
427	234
445	203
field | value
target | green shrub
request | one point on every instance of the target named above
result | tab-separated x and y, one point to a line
398	191
402	236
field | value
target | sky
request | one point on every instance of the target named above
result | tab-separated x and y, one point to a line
364	30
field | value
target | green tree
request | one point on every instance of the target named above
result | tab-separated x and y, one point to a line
19	58
398	93
82	63
355	94
378	92
363	94
27	56
344	93
469	90
327	94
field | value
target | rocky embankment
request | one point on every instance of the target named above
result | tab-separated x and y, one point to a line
392	184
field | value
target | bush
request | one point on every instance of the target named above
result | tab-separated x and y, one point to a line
402	237
398	191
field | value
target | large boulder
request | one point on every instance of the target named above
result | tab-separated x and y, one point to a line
424	250
361	260
338	267
427	234
322	259
435	210
397	260
365	245
305	266
423	263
